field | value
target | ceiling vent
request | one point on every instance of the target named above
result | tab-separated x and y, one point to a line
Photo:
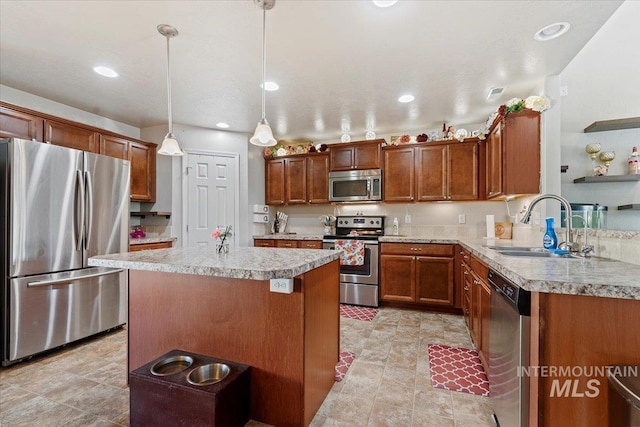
495	92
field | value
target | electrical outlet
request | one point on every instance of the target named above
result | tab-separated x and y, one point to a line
462	218
407	219
282	286
564	90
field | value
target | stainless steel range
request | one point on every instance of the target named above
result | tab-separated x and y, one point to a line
359	284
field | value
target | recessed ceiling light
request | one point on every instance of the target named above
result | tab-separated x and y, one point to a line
270	86
495	92
406	98
222	125
384	3
552	31
105	71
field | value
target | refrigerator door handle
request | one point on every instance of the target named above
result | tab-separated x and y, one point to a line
78	210
88	182
71	279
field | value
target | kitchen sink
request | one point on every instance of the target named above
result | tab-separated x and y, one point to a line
537	252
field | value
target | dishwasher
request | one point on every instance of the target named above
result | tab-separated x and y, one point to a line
509	333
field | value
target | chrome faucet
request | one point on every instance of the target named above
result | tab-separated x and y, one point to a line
526	217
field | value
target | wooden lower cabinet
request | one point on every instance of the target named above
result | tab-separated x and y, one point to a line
287	243
421	274
148	246
476	301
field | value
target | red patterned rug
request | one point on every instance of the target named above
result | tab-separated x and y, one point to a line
358	313
457	369
346	358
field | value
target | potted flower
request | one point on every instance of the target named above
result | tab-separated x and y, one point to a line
220	236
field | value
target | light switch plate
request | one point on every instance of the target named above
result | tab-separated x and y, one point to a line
282	286
261	209
264	219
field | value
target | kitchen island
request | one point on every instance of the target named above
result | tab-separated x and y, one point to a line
220	305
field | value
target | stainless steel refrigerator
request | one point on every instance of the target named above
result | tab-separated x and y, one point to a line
59	207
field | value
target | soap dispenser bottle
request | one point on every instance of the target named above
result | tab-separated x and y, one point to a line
395	226
550	240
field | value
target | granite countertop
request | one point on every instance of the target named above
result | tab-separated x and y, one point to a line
595	276
145	240
285	236
240	263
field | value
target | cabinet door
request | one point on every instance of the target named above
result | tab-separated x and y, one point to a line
143	171
264	243
399	172
14	124
397	278
432	173
310	244
476	310
434	281
367	156
467	305
342	158
286	243
521	153
296	181
485	317
494	162
274	185
65	135
318	178
463	171
114	146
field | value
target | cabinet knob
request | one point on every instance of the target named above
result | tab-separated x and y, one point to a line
466	288
466	272
466	257
476	282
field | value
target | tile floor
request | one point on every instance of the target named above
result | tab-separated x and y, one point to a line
387	385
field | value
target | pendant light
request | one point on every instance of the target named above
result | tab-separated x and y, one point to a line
170	146
263	136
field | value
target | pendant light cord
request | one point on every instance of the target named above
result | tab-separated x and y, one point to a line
169	86
264	59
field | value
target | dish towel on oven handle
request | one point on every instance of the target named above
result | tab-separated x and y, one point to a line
352	251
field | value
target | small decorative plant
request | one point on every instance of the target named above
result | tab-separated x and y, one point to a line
220	236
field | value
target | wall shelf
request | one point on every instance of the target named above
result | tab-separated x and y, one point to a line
618	124
633	207
609	178
151	213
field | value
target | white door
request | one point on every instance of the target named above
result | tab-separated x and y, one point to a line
212	199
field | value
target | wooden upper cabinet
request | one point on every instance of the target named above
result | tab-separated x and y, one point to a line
447	172
295	178
274	182
318	178
462	171
66	135
355	155
432	173
15	124
513	155
399	174
143	171
114	146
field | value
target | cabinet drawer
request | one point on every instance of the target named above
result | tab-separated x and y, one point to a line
479	267
310	244
423	249
264	243
286	243
147	246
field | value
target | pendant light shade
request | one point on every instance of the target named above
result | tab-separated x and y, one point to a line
170	146
263	136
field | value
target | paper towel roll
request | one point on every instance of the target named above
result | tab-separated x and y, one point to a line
491	227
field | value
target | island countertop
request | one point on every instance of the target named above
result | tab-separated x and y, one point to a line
240	263
593	277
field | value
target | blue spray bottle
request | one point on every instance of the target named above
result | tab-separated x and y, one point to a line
550	240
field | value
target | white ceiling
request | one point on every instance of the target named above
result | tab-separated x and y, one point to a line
341	64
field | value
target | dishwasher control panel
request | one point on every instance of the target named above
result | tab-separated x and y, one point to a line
516	296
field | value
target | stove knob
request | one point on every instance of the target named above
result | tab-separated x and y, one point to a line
377	222
371	222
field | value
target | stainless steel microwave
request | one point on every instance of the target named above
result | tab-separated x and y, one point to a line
355	186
